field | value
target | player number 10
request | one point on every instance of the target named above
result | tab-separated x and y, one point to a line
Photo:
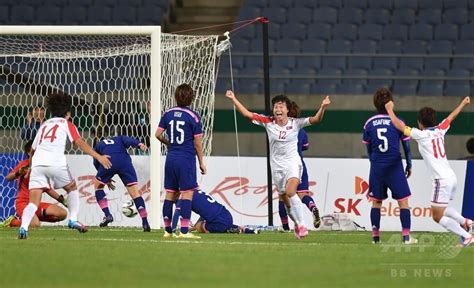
438	148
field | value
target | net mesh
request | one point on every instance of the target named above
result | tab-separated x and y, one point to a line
109	80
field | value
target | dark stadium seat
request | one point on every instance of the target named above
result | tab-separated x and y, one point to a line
356	81
349	89
330	3
275	14
385	4
463	63
281	3
361	4
306	3
325	85
294	31
278	86
288	46
241	45
403	16
274	31
74	15
344	31
299	86
415	47
405	86
370	31
313	46
437	63
249	86
325	15
48	15
395	32
467	31
256	45
249	12
319	31
389	63
309	63
457	88
362	46
374	84
429	16
248	32
4	14
22	14
286	62
470	4
411	63
431	88
83	3
300	15
377	16
123	15
350	15
423	4
161	3
456	16
449	4
338	62
255	3
412	4
421	32
149	15
389	46
333	62
446	31
464	47
441	47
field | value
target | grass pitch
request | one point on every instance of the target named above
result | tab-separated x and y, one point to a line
57	257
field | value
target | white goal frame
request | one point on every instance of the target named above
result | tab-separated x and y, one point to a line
155	88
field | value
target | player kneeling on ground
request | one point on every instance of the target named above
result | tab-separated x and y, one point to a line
46	212
116	147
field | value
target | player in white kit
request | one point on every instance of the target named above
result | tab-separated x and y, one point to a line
49	162
285	161
430	138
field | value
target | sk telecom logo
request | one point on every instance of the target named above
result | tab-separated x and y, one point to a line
349	205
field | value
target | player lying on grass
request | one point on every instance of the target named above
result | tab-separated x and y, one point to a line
213	216
116	147
46	212
49	161
303	188
285	162
382	141
430	138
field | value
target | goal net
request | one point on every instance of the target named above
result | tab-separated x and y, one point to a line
116	90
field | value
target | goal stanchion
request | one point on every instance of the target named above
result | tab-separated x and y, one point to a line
112	73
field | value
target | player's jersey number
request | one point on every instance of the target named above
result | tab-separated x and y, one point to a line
177	133
109	141
49	134
209	197
438	148
380	134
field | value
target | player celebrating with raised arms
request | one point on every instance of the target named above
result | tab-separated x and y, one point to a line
285	161
430	138
116	147
184	142
386	168
49	162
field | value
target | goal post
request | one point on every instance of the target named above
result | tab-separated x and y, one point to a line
112	73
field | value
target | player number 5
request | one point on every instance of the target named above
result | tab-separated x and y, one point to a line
382	147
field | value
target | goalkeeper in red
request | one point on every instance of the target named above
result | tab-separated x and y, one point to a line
116	147
430	138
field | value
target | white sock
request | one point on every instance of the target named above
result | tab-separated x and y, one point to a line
291	214
28	214
453	214
453	226
296	208
73	204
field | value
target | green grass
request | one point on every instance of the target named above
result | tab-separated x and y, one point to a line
56	257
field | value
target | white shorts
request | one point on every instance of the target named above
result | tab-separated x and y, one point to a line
444	190
280	177
40	177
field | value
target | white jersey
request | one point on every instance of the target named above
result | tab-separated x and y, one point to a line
283	139
431	147
50	142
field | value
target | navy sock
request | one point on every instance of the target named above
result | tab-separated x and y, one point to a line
283	215
102	201
176	215
185	215
375	219
140	204
167	214
405	218
309	202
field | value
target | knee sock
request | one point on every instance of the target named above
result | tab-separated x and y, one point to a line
167	215
185	212
28	214
176	216
375	220
297	210
453	226
309	202
73	204
453	214
102	201
140	204
283	215
405	219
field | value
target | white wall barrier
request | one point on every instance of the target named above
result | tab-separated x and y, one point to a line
339	185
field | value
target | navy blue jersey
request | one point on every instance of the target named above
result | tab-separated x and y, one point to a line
182	125
116	147
303	143
383	140
205	206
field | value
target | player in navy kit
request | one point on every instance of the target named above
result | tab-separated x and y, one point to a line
184	142
382	140
117	147
214	217
303	188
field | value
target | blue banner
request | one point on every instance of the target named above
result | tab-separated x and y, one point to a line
8	188
468	200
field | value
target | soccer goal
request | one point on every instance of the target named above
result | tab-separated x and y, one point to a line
121	79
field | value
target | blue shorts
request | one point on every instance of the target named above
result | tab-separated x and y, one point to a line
388	176
220	224
180	174
124	169
304	185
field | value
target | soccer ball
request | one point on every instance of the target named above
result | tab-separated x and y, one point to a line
129	209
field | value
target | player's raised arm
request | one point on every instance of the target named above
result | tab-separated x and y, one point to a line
457	110
318	117
241	108
396	122
103	159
